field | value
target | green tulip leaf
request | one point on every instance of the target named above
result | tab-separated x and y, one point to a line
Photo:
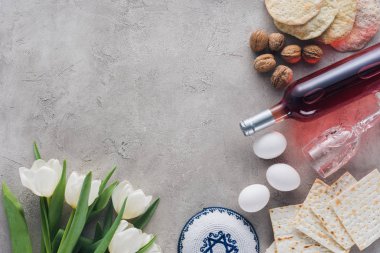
98	232
42	249
90	248
36	151
79	219
147	246
92	212
141	221
106	179
56	203
19	234
105	241
57	240
102	200
108	218
83	242
105	197
68	224
45	225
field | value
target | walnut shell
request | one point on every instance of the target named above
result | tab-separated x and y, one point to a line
258	41
276	41
264	63
282	77
291	53
312	54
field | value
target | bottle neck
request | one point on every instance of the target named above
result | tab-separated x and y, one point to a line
264	119
279	112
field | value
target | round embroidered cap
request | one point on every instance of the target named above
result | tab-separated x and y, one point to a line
218	230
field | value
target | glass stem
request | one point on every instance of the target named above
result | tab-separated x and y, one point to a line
367	123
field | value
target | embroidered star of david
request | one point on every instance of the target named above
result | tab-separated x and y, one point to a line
230	248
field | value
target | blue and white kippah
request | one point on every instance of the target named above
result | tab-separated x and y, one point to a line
218	230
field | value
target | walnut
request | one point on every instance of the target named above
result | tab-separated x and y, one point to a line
282	77
312	54
258	41
276	41
264	63
291	53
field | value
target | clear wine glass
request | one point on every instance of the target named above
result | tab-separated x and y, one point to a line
337	145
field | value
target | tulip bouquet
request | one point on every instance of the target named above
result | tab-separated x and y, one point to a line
89	199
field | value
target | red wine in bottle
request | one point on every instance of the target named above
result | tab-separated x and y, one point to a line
323	91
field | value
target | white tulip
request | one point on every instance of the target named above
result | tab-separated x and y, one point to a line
154	249
42	178
128	239
74	187
136	204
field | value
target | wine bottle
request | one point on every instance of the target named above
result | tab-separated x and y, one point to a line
323	91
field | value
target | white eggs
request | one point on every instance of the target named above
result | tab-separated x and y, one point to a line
254	198
283	177
270	145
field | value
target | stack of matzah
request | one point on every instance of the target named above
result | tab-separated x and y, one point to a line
331	219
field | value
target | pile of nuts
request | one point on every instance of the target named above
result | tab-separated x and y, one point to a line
283	75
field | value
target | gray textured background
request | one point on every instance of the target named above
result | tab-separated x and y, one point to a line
156	87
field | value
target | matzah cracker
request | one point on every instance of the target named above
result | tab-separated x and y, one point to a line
366	25
327	216
343	22
358	208
293	12
316	26
272	248
283	219
287	238
309	224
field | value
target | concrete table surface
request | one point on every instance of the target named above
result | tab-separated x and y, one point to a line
156	87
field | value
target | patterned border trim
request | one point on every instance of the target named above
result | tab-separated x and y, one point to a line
209	210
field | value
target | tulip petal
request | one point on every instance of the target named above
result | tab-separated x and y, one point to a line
121	192
136	204
154	249
37	164
123	226
117	195
94	193
146	238
56	166
73	188
28	180
42	178
45	180
127	241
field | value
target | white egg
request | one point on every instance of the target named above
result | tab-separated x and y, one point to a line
283	177
254	198
270	145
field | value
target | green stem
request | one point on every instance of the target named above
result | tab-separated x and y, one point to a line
68	225
45	225
43	249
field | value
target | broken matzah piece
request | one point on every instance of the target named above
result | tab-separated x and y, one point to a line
327	216
308	223
287	238
272	248
358	208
